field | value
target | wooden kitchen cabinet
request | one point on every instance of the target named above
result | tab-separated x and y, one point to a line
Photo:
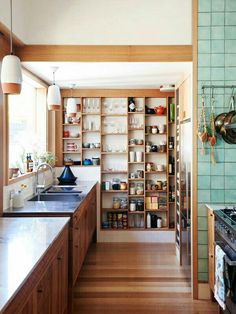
84	226
46	290
185	100
211	252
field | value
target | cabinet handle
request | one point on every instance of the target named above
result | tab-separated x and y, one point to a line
59	258
76	245
76	228
40	290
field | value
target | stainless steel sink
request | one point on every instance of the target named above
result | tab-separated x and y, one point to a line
56	198
62	189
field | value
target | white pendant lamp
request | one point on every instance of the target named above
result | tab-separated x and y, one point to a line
71	107
11	74
54	95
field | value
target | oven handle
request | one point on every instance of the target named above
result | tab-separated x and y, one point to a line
226	258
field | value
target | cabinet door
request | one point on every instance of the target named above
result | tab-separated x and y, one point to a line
29	307
211	253
44	293
62	266
80	242
60	281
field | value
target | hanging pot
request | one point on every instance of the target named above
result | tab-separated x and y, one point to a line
219	121
229	135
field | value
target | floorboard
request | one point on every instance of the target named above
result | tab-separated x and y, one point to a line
135	278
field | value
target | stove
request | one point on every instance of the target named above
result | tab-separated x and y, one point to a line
225	237
225	226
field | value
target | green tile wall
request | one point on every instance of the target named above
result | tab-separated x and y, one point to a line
216	65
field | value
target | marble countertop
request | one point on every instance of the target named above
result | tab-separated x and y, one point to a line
53	207
23	242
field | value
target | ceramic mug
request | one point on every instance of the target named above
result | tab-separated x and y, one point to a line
71	147
160	167
161	128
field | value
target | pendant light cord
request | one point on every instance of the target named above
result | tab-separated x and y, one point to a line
53	77
11	52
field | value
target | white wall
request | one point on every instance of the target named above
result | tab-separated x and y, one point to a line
44	178
103	22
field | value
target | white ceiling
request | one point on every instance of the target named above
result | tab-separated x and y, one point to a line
111	74
100	22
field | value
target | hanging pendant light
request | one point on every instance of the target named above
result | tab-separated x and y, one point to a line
54	95
11	74
71	108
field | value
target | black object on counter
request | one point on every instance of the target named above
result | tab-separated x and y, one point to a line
67	177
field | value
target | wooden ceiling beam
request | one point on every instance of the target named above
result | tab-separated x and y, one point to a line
94	53
5	32
116	93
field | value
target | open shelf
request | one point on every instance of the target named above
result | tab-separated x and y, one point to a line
114	210
113	153
90	113
155	191
115	191
113	171
71	124
132	125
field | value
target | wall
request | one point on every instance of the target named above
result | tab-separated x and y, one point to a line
103	22
44	178
216	65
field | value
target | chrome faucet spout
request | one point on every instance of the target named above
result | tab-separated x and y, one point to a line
41	186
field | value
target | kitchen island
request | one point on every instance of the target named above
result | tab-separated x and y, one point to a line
33	265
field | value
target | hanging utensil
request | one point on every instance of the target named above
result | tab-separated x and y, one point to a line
212	138
202	129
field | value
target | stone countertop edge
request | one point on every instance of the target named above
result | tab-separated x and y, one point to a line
53	207
59	229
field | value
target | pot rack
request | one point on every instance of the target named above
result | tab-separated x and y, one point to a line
218	86
231	125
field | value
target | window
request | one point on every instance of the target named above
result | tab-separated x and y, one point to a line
27	123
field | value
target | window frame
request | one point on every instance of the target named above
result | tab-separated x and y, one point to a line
41	89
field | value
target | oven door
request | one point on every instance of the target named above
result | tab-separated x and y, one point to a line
229	276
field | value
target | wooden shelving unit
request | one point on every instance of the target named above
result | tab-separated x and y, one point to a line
113	127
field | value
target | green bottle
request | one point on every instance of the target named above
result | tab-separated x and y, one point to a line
172	112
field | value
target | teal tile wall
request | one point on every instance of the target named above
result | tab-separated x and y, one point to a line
216	65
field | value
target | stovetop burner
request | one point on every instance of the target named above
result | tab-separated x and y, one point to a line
230	213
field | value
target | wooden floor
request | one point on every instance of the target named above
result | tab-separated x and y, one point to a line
135	278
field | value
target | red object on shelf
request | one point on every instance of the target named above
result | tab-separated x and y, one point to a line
66	133
160	110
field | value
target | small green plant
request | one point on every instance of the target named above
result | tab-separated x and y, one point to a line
48	157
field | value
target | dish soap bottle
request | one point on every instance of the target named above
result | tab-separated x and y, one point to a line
148	220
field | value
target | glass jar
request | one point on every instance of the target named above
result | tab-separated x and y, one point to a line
115	184
132	205
116	203
123	185
132	189
123	202
163	147
140	205
148	185
140	189
149	166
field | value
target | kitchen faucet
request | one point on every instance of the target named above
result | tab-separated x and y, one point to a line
40	187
